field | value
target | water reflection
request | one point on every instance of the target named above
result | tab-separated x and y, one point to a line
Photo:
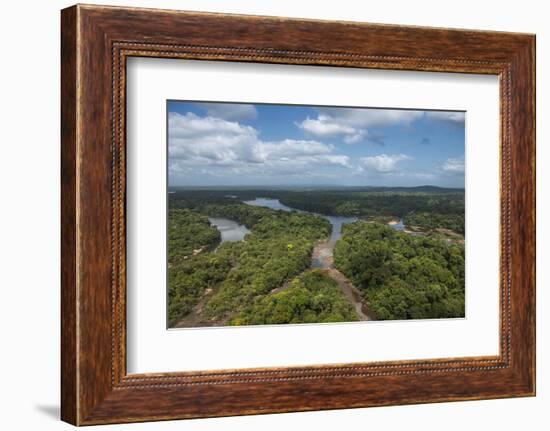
336	221
274	204
229	229
397	225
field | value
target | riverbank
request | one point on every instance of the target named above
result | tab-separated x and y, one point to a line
323	258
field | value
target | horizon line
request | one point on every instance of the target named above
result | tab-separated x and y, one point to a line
312	186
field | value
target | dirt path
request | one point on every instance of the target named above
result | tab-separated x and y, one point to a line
323	258
196	318
352	294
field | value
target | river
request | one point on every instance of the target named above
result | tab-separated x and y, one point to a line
229	229
336	221
232	231
322	257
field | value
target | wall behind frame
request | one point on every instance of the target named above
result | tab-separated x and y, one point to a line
29	220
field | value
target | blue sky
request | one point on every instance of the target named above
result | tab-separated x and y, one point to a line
230	144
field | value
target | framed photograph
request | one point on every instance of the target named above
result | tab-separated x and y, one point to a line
264	214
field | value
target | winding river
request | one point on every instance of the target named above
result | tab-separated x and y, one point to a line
233	231
322	254
230	230
336	221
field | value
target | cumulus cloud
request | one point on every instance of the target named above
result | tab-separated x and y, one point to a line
230	111
383	163
210	145
361	117
354	138
292	148
211	140
353	124
453	166
453	117
324	126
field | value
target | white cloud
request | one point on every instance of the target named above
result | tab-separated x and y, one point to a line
292	148
230	111
191	125
196	143
361	117
325	126
211	140
357	137
447	116
353	123
383	163
453	166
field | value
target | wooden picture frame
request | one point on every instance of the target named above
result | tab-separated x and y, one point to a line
95	43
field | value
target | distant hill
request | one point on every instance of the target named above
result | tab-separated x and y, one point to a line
417	189
423	189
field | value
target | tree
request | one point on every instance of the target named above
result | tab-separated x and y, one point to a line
402	276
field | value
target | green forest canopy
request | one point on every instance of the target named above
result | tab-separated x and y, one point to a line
243	272
400	275
426	207
312	297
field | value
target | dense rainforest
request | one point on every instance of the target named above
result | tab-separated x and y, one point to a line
238	273
312	297
400	275
424	208
188	233
266	278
